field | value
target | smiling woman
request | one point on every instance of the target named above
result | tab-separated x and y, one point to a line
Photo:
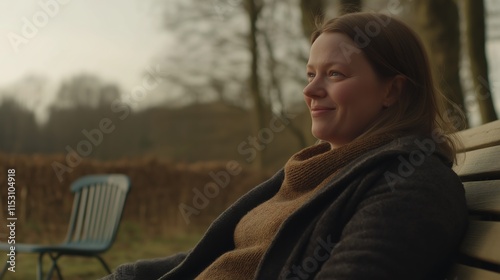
376	199
344	97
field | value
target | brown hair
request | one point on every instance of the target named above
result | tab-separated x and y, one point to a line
392	48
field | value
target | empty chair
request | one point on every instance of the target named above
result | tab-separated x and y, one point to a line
97	210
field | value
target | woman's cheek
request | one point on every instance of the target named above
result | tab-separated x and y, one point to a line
344	95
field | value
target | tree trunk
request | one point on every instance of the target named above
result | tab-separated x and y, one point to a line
439	24
350	6
253	8
275	83
474	14
312	13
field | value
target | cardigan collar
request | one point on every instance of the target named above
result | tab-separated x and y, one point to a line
308	168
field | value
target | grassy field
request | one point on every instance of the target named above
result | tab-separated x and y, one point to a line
132	244
159	187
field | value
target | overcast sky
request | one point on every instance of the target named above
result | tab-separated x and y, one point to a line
114	39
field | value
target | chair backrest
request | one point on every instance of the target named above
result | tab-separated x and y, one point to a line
479	169
97	209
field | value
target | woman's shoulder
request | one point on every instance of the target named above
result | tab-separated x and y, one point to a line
411	160
410	151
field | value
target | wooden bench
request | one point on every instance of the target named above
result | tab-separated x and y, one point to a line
480	172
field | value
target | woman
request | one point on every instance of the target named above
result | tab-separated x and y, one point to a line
375	199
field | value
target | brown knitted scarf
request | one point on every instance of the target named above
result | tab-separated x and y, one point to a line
305	173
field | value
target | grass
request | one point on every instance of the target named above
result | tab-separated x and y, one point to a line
132	244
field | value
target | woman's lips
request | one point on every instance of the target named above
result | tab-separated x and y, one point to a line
321	110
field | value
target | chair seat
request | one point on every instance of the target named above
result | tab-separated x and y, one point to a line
86	248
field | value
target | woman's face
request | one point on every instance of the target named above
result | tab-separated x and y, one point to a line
344	94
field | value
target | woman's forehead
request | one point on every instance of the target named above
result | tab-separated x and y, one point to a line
333	48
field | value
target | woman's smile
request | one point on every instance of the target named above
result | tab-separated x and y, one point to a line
317	111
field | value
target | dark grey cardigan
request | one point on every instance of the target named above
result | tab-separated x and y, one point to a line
397	212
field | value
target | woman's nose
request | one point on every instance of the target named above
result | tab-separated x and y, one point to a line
315	89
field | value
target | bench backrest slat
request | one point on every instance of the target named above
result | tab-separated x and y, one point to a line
479	164
486	135
482	241
479	169
464	272
483	197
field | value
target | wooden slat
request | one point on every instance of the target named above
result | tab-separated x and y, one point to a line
479	168
482	241
486	135
463	272
483	196
484	161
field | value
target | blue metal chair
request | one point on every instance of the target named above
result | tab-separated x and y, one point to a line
97	210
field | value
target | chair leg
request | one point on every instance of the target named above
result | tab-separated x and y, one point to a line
59	275
39	275
54	266
4	269
103	263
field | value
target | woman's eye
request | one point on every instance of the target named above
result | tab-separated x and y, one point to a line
335	74
310	76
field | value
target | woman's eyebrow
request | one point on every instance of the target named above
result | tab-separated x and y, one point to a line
326	64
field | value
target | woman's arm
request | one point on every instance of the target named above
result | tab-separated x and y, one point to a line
146	269
409	231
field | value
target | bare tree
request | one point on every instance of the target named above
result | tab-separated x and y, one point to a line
239	52
476	39
350	6
86	91
274	77
313	11
261	107
209	58
19	128
438	22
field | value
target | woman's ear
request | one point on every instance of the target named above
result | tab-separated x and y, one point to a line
394	90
